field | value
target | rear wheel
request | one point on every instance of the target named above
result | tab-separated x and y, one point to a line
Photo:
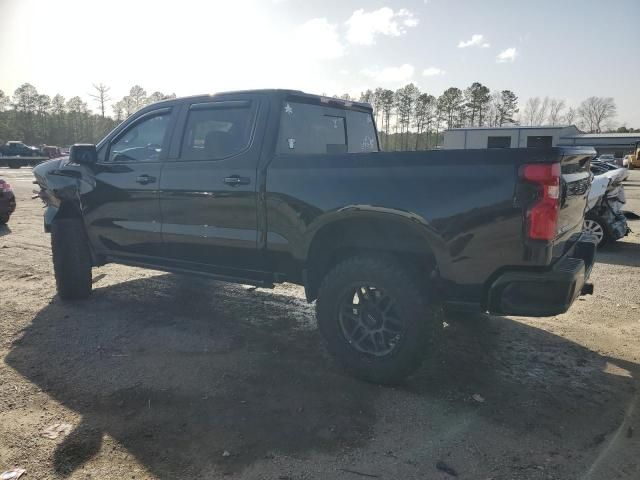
375	318
71	259
596	226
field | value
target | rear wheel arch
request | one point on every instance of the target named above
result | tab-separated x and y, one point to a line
344	238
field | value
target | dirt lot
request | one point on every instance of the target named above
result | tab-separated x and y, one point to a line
163	376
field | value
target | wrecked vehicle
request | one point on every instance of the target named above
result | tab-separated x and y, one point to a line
7	202
605	219
268	186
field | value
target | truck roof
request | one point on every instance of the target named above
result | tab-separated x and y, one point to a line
272	91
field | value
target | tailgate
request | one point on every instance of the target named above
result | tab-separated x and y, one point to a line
575	181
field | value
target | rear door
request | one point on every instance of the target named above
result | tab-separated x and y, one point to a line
208	190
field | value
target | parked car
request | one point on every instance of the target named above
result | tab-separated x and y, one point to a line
51	151
18	149
605	219
18	154
598	167
7	202
612	159
261	187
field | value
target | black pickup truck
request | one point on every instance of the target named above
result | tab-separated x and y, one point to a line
268	186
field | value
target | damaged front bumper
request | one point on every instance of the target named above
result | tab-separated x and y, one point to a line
618	226
548	292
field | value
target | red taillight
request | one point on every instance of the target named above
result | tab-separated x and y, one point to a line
542	216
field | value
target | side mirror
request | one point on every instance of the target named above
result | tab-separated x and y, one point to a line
83	154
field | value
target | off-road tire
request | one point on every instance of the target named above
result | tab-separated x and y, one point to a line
4	219
422	323
71	259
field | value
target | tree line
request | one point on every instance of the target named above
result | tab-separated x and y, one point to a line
38	119
407	118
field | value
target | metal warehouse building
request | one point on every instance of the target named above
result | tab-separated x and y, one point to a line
539	137
619	144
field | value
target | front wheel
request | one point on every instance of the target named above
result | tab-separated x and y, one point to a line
71	259
375	318
597	226
14	164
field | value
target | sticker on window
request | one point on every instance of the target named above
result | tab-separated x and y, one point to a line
288	110
367	144
292	143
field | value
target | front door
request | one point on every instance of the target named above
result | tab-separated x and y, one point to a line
208	191
122	212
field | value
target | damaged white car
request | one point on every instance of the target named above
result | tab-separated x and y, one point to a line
605	218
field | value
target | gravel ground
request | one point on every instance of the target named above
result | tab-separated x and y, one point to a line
164	376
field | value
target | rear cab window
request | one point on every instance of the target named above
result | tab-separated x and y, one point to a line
311	128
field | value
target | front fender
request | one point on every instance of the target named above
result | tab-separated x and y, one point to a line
62	187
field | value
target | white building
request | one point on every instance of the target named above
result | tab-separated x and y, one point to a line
619	144
506	137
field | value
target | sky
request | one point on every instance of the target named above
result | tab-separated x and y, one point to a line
568	49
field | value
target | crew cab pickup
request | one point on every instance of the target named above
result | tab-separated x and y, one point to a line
268	186
20	154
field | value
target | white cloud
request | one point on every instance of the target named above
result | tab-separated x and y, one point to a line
433	71
318	38
362	27
508	55
399	74
474	41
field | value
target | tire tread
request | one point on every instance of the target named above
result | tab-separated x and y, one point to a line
71	259
414	296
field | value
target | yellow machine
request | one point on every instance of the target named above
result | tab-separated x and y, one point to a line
634	158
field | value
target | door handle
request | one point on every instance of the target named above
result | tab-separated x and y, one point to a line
145	179
235	180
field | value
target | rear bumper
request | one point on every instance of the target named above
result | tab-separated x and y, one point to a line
545	293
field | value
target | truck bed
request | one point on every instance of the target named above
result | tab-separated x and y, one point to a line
465	203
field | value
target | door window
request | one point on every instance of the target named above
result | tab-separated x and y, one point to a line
142	142
217	131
